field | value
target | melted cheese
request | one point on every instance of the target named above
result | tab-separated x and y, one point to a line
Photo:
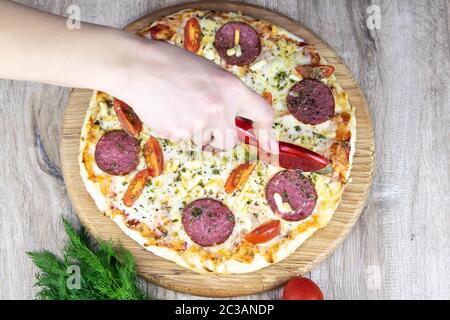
283	207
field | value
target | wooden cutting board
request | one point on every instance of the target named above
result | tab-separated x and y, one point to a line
314	250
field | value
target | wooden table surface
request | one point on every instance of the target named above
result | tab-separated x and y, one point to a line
400	248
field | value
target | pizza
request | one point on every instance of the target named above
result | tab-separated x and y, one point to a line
225	211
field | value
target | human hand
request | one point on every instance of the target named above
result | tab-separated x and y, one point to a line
180	96
177	94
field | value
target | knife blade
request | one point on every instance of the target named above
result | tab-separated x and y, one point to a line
291	156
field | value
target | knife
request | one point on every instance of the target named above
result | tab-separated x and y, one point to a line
291	156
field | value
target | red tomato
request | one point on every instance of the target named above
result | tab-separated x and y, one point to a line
154	158
302	289
129	121
135	188
264	232
192	35
315	71
238	177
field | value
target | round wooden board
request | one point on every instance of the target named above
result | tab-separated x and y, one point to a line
314	250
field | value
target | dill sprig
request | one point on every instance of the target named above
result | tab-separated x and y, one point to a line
105	272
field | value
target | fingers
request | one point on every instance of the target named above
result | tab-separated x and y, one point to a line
202	137
224	134
262	115
266	139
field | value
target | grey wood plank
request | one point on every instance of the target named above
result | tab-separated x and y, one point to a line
400	248
33	194
34	198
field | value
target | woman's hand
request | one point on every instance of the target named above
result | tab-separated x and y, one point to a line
176	93
180	95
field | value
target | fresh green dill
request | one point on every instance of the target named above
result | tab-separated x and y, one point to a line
105	272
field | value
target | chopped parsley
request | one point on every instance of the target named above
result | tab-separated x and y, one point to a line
196	212
319	136
281	78
247	156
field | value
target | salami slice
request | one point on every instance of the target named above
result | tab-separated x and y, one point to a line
208	222
291	195
237	43
311	102
117	153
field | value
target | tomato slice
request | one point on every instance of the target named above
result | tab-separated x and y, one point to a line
192	35
135	188
264	232
267	96
161	32
154	158
317	72
129	120
238	177
302	289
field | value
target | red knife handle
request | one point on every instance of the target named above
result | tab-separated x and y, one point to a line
290	156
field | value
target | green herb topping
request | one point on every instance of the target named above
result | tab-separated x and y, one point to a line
196	212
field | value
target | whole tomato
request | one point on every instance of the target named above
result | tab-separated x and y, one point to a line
300	288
